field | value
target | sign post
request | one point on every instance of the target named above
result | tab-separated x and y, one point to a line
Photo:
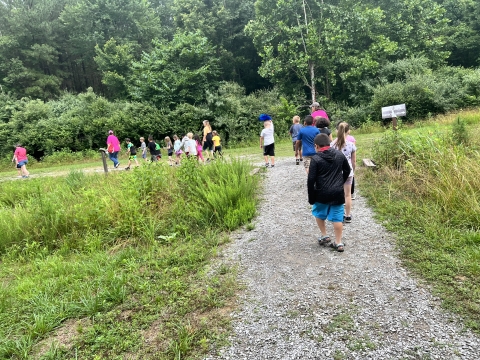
104	159
392	112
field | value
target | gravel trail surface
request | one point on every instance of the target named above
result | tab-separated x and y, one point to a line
303	301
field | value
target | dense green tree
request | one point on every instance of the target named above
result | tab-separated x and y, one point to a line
319	42
175	71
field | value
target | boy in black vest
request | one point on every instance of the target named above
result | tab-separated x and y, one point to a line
328	171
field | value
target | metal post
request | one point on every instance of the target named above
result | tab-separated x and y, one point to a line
104	159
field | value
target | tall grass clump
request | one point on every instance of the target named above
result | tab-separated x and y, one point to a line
428	191
118	255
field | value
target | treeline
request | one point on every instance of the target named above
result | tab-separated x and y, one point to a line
164	65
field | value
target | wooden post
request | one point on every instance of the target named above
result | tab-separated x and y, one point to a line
104	159
394	123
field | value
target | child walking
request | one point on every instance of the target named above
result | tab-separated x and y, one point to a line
266	137
131	153
169	145
177	147
143	148
217	147
329	169
294	130
21	160
199	146
349	150
189	145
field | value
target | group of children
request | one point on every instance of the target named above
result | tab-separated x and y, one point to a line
330	166
190	145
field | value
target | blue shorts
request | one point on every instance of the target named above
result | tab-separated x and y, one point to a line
333	213
21	163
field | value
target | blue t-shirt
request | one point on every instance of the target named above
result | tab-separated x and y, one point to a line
307	135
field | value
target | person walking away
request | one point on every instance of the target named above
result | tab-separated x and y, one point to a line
322	125
152	147
207	142
199	147
329	169
143	148
317	110
217	146
169	146
349	150
177	147
190	146
305	139
131	153
267	138
294	130
352	139
113	147
22	160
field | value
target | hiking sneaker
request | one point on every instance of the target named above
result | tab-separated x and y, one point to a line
127	168
301	159
116	166
267	165
297	161
347	219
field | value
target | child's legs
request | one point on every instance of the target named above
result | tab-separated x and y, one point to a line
347	187
335	215
272	158
353	185
200	155
266	159
24	170
321	226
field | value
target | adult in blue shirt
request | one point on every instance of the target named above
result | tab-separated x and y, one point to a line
305	139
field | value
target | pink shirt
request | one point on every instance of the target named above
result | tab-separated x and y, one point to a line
321	113
351	139
112	139
20	154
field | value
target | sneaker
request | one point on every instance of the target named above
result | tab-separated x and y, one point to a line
267	165
127	168
353	196
272	165
347	219
116	166
301	159
297	161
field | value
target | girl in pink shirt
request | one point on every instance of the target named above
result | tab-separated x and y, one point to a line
20	157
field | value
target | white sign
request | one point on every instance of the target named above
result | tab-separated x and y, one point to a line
394	111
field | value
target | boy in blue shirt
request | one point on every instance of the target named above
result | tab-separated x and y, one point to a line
305	139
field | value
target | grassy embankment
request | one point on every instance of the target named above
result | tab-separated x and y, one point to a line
427	191
120	266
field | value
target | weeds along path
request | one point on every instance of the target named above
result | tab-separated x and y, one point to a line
303	301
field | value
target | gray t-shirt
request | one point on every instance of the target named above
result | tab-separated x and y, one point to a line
267	135
294	130
143	147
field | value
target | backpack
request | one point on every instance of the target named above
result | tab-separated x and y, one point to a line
133	150
157	146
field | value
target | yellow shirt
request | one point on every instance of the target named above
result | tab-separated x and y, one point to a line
216	140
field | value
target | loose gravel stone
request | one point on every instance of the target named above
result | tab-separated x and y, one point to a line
304	301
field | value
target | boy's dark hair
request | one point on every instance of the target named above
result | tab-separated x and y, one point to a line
127	139
308	120
321	122
321	140
150	138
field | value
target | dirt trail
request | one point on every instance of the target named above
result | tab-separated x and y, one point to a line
304	301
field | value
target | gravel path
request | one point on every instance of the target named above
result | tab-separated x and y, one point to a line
303	301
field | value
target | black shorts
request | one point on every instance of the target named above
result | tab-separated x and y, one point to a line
208	143
269	150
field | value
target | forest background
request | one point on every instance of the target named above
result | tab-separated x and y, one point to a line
70	70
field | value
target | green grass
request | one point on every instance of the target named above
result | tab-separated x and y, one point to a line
106	267
427	191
